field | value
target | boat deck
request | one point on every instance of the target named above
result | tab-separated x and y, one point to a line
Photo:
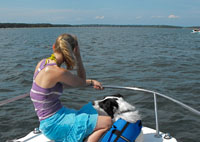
149	136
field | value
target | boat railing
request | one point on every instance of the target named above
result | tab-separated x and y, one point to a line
155	94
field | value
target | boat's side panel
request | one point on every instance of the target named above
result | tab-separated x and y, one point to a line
148	133
31	137
149	136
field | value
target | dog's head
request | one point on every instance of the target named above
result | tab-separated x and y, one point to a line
108	105
112	105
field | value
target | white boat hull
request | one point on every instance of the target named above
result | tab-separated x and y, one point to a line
195	31
149	136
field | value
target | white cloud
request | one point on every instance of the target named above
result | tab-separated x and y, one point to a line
173	16
99	17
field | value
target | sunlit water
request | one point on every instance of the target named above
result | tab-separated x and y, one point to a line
159	59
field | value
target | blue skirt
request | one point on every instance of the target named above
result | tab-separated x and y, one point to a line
68	125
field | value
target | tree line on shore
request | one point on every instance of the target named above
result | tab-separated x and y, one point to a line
26	25
40	25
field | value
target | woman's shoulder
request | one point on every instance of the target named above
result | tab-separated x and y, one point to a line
38	64
54	73
54	69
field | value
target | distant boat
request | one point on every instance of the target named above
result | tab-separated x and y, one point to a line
196	31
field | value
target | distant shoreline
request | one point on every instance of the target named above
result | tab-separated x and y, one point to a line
47	25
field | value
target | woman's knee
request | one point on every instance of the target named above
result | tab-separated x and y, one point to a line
104	122
108	122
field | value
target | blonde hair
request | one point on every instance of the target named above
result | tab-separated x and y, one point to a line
65	44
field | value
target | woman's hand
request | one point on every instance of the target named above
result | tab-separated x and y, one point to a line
96	84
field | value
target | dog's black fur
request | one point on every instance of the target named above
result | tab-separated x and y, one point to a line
109	105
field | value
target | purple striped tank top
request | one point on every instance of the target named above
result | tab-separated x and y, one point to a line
45	100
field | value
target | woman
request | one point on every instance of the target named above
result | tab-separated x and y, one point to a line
57	122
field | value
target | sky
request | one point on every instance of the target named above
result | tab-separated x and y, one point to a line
118	12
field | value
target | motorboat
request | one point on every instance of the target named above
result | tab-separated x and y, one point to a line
150	134
196	31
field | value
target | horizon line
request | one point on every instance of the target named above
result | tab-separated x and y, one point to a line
16	24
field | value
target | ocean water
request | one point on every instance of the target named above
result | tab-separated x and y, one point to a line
159	59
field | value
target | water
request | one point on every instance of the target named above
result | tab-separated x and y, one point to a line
159	59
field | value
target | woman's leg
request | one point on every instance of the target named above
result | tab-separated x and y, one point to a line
103	124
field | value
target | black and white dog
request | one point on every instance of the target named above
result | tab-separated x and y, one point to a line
116	107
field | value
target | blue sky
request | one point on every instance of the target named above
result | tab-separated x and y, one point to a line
144	12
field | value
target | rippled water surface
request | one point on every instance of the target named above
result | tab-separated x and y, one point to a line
159	59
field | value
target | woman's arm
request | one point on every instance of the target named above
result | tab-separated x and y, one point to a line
80	79
80	68
69	79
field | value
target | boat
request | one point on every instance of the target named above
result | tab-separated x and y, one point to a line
196	31
150	134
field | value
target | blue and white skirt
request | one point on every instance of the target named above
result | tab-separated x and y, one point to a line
68	125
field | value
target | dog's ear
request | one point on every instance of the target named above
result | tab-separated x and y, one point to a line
109	106
114	103
113	107
118	95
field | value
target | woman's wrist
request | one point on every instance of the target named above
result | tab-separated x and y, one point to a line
89	82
